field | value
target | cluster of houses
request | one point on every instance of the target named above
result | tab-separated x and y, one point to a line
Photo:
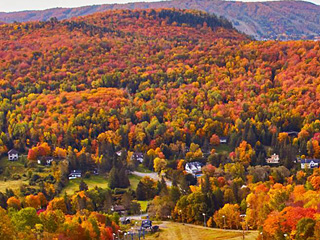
136	156
304	163
193	168
309	163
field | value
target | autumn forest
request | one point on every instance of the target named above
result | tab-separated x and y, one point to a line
94	92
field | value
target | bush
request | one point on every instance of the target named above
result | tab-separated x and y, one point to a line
87	175
16	177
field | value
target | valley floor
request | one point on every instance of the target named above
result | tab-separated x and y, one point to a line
179	231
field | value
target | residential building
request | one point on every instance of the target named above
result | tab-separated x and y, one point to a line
138	156
75	174
193	168
274	159
223	140
13	155
309	163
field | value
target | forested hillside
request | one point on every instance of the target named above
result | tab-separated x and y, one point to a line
170	84
263	20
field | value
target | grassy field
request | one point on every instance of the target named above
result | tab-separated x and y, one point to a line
144	205
143	169
177	231
223	148
93	181
12	184
15	167
134	180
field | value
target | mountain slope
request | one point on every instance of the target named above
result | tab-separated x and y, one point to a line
270	20
81	77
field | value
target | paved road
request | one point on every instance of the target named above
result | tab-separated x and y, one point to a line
136	217
153	176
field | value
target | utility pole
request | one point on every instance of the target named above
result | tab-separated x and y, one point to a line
224	222
243	226
204	219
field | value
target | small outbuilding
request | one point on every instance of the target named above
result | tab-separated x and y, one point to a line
13	155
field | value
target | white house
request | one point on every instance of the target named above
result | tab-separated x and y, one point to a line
13	155
274	159
309	163
119	153
138	156
223	140
75	174
193	168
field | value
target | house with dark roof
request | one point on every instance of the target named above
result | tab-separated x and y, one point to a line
309	163
119	209
13	155
292	133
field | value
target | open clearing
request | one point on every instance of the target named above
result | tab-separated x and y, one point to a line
179	231
94	181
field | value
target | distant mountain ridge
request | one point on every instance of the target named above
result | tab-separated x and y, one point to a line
263	20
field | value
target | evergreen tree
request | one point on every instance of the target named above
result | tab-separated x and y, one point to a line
123	178
83	186
3	200
164	189
140	192
113	178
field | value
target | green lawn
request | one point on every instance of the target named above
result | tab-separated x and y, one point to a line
143	169
12	184
178	231
223	148
14	168
134	180
144	205
92	182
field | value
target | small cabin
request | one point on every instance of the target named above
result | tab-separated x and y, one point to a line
119	209
274	159
13	155
223	140
75	174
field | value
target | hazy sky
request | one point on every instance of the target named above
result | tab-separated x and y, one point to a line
19	5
